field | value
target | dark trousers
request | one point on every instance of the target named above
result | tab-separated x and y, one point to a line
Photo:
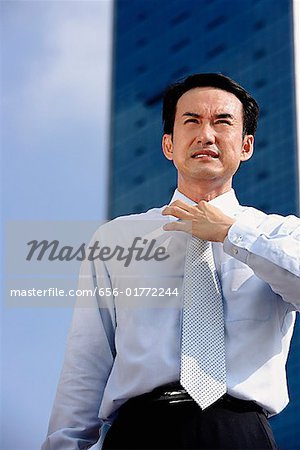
158	422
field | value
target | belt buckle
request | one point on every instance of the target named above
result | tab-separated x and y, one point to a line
175	396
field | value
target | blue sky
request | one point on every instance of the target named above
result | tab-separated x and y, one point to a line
55	79
55	94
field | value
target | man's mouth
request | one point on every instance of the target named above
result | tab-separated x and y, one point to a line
205	153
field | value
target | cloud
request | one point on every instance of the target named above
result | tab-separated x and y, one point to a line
69	77
55	91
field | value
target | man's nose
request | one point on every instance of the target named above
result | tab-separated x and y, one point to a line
205	134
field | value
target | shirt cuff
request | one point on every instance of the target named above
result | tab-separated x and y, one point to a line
237	252
242	235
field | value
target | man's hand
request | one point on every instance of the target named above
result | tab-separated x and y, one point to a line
204	220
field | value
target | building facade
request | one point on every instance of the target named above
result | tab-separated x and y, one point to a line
157	43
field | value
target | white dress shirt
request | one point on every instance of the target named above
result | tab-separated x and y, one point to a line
123	346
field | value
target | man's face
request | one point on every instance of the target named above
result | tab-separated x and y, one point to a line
207	145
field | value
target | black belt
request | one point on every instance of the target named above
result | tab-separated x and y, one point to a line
175	393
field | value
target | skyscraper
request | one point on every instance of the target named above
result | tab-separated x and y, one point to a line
157	43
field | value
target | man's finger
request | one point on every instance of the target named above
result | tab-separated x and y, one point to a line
179	225
177	211
184	205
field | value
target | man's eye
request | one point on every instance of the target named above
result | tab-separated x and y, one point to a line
191	121
223	121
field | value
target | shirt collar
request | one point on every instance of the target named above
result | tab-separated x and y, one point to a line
226	202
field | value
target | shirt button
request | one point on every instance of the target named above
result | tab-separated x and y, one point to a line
235	251
237	239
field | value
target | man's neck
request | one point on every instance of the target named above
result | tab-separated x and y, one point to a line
200	192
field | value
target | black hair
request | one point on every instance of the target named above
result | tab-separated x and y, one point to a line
216	80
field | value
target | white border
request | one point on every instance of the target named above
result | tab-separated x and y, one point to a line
296	20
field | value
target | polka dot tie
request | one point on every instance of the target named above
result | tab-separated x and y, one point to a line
203	372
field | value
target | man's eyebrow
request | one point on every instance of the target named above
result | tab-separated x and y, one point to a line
217	116
191	114
224	116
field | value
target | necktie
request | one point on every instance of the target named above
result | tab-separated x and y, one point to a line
203	373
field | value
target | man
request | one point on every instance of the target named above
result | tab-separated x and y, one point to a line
136	371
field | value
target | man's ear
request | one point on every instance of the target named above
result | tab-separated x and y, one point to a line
248	147
167	146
